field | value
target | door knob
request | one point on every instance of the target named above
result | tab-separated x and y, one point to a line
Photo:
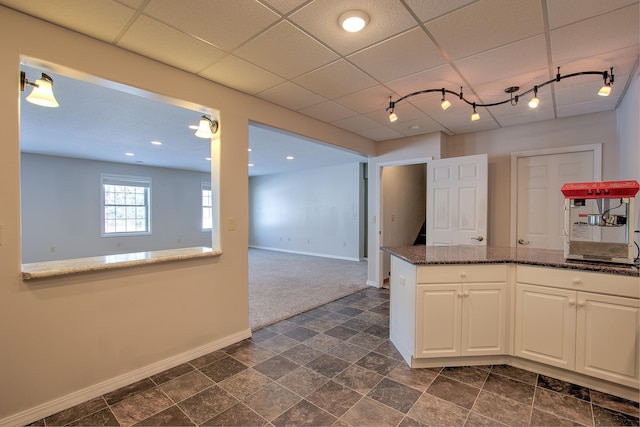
523	242
479	238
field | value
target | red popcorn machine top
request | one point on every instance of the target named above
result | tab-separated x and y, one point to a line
597	221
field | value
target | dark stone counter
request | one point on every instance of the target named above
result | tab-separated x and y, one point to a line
442	255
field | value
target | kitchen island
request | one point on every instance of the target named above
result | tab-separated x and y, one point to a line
530	308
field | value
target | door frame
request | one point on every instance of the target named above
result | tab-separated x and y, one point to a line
379	238
597	174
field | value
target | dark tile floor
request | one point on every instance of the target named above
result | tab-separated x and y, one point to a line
334	365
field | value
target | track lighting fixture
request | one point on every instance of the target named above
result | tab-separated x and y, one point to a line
513	99
42	93
475	116
206	128
445	103
534	101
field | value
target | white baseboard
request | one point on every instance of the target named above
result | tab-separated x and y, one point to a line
308	253
56	405
373	283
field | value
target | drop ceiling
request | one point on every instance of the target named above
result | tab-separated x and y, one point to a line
293	53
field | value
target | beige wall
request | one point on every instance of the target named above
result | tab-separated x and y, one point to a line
80	334
597	128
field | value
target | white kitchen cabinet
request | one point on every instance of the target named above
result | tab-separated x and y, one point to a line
591	333
461	319
608	338
545	325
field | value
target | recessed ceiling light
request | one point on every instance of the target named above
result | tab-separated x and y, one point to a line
250	165
156	142
289	157
353	20
208	159
129	154
249	149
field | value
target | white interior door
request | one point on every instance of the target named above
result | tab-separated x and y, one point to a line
540	204
457	201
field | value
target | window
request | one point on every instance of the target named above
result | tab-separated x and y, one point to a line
125	205
207	214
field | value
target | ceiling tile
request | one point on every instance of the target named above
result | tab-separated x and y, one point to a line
413	49
494	91
368	100
160	42
537	115
103	20
224	24
241	75
328	111
291	96
563	12
286	51
485	25
284	6
506	61
427	10
439	77
577	109
336	79
422	124
585	89
356	123
381	133
609	32
320	19
623	61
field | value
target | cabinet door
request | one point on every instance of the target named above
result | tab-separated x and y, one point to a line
484	313
438	315
607	338
545	325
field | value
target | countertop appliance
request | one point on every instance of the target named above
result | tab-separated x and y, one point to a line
597	221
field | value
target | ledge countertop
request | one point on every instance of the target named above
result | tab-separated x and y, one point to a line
435	255
38	270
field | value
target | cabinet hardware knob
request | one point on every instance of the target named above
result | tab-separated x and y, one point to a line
572	302
465	293
463	274
577	281
581	303
459	294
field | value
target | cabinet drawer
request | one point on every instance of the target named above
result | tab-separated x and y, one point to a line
462	273
579	280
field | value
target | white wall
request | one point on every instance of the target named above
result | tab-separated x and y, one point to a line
315	211
596	128
60	210
72	338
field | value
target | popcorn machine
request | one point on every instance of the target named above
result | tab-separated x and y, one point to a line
598	217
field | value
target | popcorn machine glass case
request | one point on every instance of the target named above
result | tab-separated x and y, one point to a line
597	217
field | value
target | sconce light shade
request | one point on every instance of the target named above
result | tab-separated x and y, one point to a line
445	104
393	117
534	102
475	116
206	128
42	93
353	21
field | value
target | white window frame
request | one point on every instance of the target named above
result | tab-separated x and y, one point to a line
132	181
206	186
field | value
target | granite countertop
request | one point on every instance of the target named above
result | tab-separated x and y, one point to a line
38	270
435	255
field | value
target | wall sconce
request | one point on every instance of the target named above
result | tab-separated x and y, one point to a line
42	93
206	128
605	90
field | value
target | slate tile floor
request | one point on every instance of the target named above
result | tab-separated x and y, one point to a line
334	365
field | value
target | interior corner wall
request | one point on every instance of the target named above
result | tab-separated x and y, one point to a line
66	192
628	121
313	211
72	338
498	144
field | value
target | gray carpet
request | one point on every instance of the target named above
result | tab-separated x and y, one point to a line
283	284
